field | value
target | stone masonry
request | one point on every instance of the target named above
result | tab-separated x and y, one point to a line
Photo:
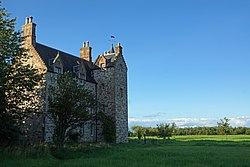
106	78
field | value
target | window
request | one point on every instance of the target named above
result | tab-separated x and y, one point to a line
81	81
121	92
91	129
102	66
76	69
101	89
57	70
82	76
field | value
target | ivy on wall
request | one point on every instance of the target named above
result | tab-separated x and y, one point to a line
108	127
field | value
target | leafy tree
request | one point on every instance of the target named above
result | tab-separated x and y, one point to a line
224	122
166	130
17	79
69	106
224	126
152	131
139	131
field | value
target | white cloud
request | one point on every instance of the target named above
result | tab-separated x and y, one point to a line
189	122
240	121
130	120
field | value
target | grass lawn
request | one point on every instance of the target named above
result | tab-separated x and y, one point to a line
180	151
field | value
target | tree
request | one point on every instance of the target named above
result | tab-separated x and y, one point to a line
69	106
224	125
17	79
166	130
139	131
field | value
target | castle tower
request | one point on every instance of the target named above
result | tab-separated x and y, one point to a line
29	32
85	52
112	91
121	96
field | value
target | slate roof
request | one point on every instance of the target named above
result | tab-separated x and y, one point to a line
69	61
109	59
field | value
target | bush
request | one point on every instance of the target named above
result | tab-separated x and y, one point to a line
108	127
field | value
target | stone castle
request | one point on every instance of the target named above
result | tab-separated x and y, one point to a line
106	78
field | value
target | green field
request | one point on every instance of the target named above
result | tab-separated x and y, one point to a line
180	151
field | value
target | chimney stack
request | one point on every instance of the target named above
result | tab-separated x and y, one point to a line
118	49
29	32
85	51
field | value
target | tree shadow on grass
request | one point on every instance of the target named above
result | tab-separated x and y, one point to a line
79	151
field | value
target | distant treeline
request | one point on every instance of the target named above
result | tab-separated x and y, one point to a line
216	130
212	131
167	130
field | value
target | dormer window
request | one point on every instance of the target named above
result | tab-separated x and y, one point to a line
76	69
56	64
79	70
57	70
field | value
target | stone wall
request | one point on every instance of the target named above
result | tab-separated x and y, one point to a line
105	95
33	127
49	126
112	96
87	132
39	126
121	103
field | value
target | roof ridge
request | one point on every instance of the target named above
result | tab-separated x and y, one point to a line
60	51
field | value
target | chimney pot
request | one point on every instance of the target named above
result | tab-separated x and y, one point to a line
26	20
31	19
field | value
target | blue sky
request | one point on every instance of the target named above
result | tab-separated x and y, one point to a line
187	60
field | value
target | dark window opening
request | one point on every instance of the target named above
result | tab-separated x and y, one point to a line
121	92
82	76
57	70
